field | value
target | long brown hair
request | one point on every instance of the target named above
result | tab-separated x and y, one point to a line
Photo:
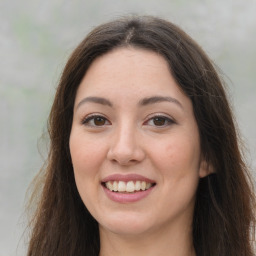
224	210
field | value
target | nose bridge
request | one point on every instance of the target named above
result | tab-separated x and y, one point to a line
125	146
126	138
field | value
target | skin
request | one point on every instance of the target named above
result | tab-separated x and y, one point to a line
127	139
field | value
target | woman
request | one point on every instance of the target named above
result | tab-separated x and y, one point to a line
144	156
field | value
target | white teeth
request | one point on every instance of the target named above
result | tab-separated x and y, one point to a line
143	185
137	185
109	185
121	186
130	186
115	185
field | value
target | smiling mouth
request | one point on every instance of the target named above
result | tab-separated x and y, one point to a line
127	187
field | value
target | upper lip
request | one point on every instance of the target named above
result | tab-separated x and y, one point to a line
126	178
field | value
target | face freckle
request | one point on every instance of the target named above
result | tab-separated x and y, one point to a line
129	145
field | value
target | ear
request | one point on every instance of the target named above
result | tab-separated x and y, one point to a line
205	169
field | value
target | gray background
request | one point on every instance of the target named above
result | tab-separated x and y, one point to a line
36	38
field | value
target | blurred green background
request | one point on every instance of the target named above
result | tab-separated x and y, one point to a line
36	38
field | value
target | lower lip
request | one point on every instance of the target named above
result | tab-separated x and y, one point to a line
127	197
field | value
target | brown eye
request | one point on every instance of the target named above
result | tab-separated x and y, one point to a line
99	121
159	121
95	121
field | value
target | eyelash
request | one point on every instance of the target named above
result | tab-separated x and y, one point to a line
167	121
86	121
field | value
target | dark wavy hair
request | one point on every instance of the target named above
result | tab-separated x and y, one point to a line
223	221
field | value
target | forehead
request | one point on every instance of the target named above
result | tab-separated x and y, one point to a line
128	70
127	78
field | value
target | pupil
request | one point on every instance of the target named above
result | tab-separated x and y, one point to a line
159	121
99	121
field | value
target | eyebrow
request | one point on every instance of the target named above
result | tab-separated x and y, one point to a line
143	102
158	99
97	100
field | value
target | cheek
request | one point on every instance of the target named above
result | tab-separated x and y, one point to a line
178	162
85	157
178	154
184	155
85	153
176	159
182	172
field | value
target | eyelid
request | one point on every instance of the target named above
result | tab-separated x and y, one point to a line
170	120
166	117
85	120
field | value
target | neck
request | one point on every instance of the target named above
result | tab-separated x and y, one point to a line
174	242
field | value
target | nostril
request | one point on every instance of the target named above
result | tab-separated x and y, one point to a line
125	151
124	161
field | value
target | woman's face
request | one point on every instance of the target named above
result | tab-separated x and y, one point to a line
135	144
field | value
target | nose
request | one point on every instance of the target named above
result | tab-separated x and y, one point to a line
126	147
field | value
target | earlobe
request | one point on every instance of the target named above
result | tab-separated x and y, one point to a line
205	169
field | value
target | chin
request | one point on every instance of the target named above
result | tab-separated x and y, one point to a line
126	225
